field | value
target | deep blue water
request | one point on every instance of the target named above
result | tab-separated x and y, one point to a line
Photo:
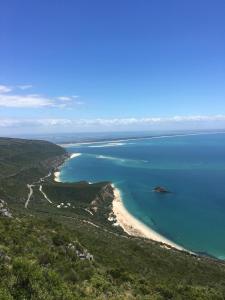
191	167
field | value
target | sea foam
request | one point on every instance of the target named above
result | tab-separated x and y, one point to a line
73	155
107	145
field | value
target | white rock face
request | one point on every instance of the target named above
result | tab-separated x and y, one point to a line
4	211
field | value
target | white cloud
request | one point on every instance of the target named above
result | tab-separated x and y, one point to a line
31	101
22	101
54	122
5	89
79	102
12	122
65	98
70	98
11	100
102	123
149	120
24	87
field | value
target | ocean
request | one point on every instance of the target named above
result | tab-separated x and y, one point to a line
191	167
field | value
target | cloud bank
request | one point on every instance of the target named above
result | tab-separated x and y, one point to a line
18	97
111	123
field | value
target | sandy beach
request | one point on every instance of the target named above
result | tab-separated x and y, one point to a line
133	226
57	176
73	155
128	222
57	173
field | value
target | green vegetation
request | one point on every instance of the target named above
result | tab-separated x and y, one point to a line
46	251
25	161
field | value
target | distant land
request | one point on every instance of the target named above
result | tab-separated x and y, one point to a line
77	137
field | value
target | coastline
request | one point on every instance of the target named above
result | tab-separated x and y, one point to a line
137	138
134	227
57	172
57	176
131	225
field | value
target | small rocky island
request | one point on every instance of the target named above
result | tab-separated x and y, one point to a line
160	189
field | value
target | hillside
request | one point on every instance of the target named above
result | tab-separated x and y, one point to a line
23	162
51	250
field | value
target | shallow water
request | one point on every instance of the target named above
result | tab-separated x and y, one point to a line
191	167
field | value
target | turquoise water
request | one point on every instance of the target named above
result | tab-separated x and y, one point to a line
191	167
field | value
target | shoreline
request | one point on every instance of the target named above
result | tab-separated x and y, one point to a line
71	144
130	224
57	172
57	176
134	227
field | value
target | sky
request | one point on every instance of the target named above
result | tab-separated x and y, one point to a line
115	65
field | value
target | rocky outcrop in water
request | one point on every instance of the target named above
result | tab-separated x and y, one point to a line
160	189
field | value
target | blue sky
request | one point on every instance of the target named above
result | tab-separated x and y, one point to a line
84	65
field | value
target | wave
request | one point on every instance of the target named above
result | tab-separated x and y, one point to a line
73	155
111	158
130	163
146	164
107	145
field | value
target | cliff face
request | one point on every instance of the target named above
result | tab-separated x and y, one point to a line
104	197
54	162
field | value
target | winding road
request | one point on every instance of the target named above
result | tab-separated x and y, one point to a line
30	187
43	193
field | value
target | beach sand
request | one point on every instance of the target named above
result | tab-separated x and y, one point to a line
74	155
57	176
133	226
128	222
57	173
